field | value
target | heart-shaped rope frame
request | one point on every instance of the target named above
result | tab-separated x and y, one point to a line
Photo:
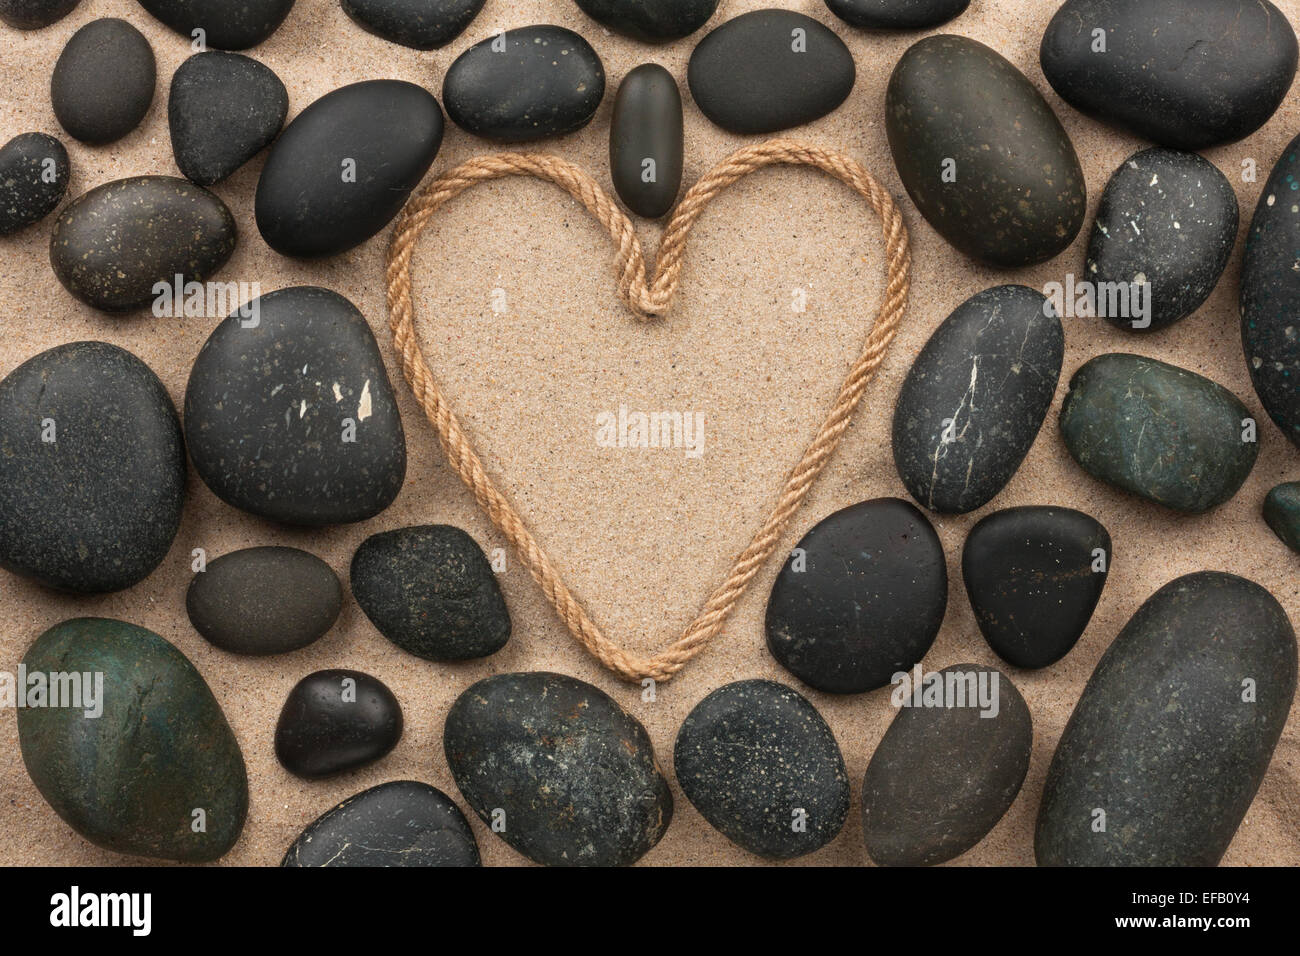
648	300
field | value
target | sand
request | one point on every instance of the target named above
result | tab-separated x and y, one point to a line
642	535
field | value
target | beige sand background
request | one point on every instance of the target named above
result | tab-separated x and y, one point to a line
642	535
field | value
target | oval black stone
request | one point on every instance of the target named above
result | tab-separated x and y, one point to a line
1034	576
402	823
525	84
111	246
860	598
35	14
226	24
431	591
92	469
769	70
336	720
975	398
981	153
34	175
1182	73
652	22
103	81
570	774
345	166
264	600
222	110
289	413
1174	730
1167	221
419	24
756	758
948	767
1282	513
897	14
645	141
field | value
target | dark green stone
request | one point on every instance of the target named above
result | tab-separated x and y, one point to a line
1018	195
1282	512
1174	731
131	779
647	125
1158	431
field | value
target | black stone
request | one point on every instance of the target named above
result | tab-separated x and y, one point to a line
654	22
419	24
1182	73
1174	730
647	125
95	507
222	110
294	418
1158	431
103	81
111	246
568	773
981	153
769	70
264	600
402	823
34	174
975	398
1167	220
946	771
860	598
345	166
431	591
336	720
1282	513
755	758
545	81
1034	576
226	24
897	14
35	14
1270	295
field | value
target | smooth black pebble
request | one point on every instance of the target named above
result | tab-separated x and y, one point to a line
226	24
897	14
336	720
34	175
1282	513
646	149
655	22
419	24
103	82
35	14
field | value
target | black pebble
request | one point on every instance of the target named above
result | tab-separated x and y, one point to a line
1282	513
336	720
226	24
34	174
645	141
655	22
897	14
420	24
35	14
103	82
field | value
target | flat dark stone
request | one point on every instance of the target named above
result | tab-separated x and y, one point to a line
386	132
946	771
646	149
1282	513
420	24
1270	295
336	720
35	14
402	823
860	598
95	509
655	22
432	592
1182	73
1158	431
1034	576
762	766
264	600
1168	220
897	14
226	24
103	81
294	419
544	81
568	776
1174	730
132	778
769	70
224	108
34	175
975	398
981	153
111	246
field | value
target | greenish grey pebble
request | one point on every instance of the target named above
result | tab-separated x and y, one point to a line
1282	512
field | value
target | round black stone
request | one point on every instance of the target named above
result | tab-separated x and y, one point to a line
103	81
35	14
34	175
655	22
897	14
420	24
336	720
226	24
645	141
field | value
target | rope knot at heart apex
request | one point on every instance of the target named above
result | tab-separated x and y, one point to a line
648	298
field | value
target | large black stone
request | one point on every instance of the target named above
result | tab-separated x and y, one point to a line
336	720
34	174
420	24
35	14
654	22
103	81
897	14
646	148
226	24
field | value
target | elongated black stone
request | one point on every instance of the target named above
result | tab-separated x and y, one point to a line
645	141
34	175
103	81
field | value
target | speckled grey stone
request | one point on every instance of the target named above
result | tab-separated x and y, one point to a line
1282	513
654	22
34	175
762	766
1168	221
420	24
431	591
646	146
96	508
897	14
103	81
568	775
226	24
975	398
1174	731
336	720
35	14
